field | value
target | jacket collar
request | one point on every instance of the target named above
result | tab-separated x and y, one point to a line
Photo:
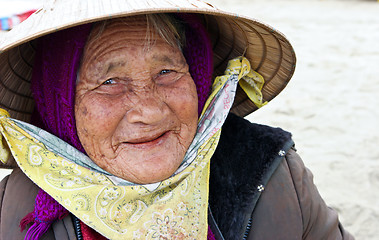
245	159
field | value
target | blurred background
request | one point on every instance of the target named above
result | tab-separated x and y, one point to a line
13	12
331	105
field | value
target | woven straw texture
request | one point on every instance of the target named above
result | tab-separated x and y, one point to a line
268	50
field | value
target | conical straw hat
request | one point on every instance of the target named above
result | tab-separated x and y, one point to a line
268	51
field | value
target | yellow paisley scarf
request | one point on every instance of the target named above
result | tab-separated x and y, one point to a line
175	208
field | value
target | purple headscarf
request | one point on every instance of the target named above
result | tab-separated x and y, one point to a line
54	79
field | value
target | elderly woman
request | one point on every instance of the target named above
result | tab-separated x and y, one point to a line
131	135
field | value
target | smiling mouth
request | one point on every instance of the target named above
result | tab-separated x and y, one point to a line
149	142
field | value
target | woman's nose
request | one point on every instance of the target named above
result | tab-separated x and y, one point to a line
149	108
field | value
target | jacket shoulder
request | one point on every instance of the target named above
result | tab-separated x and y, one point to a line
292	202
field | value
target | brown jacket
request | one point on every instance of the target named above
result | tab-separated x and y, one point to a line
274	199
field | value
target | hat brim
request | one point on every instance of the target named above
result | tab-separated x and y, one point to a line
269	51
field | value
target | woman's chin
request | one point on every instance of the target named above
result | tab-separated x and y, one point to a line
148	178
152	180
151	170
148	164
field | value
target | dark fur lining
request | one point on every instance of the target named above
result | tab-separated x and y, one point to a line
242	158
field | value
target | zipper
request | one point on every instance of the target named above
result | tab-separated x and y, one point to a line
77	227
247	231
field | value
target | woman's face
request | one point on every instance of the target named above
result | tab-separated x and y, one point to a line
135	106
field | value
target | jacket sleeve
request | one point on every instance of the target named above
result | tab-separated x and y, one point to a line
17	196
3	185
319	221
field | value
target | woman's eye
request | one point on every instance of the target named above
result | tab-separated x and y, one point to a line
164	71
109	81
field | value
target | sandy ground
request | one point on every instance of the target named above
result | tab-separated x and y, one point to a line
331	105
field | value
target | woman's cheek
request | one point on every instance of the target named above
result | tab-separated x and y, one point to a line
183	102
94	115
186	100
182	93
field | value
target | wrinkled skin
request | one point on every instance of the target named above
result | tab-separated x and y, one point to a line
135	107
